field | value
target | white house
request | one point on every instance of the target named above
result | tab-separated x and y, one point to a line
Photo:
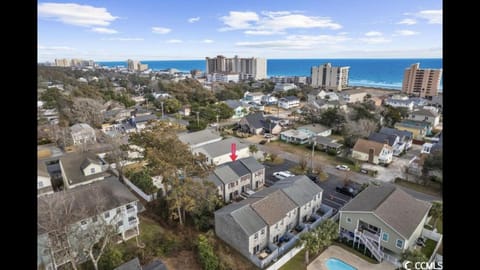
219	152
289	102
89	208
427	114
82	168
399	102
223	77
253	96
82	133
372	152
199	138
239	110
269	99
282	87
316	130
295	136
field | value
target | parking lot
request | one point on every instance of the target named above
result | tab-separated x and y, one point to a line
330	196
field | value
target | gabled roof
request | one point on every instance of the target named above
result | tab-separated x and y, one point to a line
133	264
226	174
255	120
88	161
299	189
381	138
425	112
101	195
81	127
364	146
42	168
145	118
244	215
272	205
214	179
155	265
238	168
233	104
251	164
72	166
222	147
327	141
194	138
391	204
394	131
290	98
413	124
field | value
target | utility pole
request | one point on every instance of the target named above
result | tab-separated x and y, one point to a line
313	152
217	122
161	103
198	120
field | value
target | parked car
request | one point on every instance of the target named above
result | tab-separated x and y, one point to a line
313	177
342	168
283	174
347	190
267	135
263	142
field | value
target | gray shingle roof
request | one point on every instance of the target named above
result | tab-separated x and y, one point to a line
272	205
233	104
393	205
214	179
326	141
394	131
381	138
222	147
291	98
315	128
133	264
256	120
155	265
252	164
145	118
226	174
42	168
299	189
425	112
248	219
194	138
86	200
72	167
238	168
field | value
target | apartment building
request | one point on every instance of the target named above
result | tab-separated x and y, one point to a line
328	77
247	68
423	83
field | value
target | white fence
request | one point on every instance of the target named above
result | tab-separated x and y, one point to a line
431	235
285	258
137	190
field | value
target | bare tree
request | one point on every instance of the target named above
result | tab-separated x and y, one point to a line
87	110
118	153
361	128
73	231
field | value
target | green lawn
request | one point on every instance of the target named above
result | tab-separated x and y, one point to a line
432	189
429	247
296	263
439	225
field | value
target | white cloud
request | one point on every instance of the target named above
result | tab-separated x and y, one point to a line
207	41
55	48
432	16
406	33
123	39
407	21
375	40
194	19
161	30
274	22
174	41
262	32
238	20
75	14
103	30
295	42
373	34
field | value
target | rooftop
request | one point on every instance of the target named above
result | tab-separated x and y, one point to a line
295	133
72	166
266	199
392	205
233	104
299	189
364	146
382	138
194	138
222	147
315	128
413	124
394	131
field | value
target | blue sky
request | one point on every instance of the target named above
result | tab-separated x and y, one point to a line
170	30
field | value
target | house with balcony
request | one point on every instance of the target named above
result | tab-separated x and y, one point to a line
392	140
427	114
327	144
68	218
219	152
289	102
399	102
405	136
269	100
82	168
253	97
238	178
264	226
385	219
353	96
372	152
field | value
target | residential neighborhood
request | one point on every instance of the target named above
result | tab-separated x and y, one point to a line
281	138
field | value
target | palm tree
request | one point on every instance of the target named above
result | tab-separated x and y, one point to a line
436	212
310	239
327	232
253	149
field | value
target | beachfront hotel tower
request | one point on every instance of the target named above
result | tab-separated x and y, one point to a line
422	83
247	68
328	77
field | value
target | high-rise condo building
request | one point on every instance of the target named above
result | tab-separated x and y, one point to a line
328	77
247	68
134	65
422	83
62	62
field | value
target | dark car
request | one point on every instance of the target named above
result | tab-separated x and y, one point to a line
263	142
313	177
347	190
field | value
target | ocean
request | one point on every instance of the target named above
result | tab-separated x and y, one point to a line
381	73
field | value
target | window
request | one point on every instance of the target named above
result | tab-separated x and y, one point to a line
94	219
40	184
263	231
399	243
256	236
256	249
118	211
349	220
120	223
385	237
276	226
92	170
107	214
84	222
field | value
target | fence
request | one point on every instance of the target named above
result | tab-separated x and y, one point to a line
137	190
431	235
285	258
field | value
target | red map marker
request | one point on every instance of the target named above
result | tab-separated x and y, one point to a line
233	148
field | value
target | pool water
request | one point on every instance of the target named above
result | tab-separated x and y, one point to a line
336	264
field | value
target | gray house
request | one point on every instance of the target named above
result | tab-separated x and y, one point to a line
385	219
258	226
405	136
238	177
199	138
82	168
256	124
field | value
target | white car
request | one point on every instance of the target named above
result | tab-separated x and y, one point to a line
283	174
342	168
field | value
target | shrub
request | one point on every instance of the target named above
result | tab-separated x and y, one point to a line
332	152
207	257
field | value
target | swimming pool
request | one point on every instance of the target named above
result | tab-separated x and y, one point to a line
336	264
